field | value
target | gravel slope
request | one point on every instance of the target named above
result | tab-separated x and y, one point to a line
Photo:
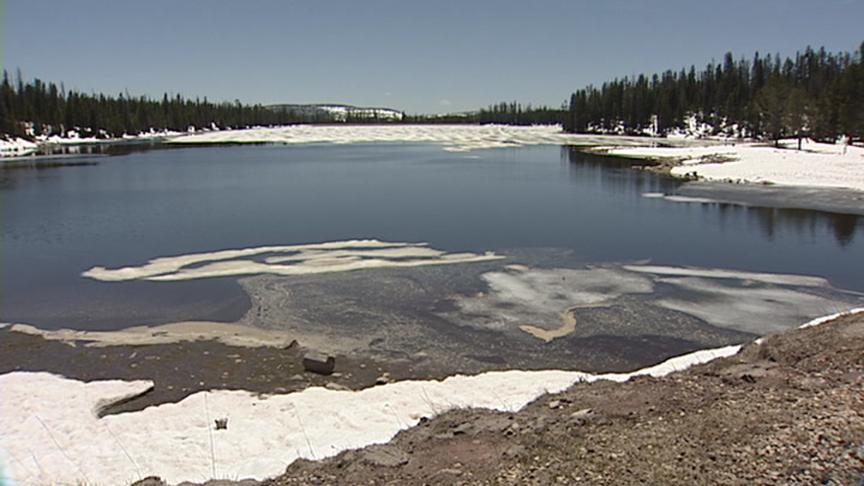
788	411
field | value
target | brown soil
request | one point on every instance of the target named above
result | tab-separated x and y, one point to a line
788	411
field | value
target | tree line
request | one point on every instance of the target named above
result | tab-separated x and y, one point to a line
815	93
35	108
504	113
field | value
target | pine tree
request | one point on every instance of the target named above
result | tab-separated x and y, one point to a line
795	112
771	103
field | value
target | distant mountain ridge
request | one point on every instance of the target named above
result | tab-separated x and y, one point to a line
338	112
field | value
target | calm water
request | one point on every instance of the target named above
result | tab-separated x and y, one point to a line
127	209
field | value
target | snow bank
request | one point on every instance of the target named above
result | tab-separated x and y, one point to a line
335	256
43	443
457	138
10	147
817	165
73	137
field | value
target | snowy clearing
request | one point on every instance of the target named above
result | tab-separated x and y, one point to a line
816	165
47	444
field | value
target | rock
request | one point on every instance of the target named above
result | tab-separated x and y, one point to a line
319	363
514	451
385	456
336	387
383	379
584	413
150	481
554	404
750	372
222	423
224	482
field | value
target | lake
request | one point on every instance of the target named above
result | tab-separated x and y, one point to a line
545	206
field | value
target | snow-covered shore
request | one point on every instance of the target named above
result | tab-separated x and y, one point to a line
74	138
12	147
816	165
46	444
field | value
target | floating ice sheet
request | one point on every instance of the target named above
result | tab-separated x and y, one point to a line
455	138
336	256
534	298
541	301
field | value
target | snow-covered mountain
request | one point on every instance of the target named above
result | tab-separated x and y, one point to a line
339	113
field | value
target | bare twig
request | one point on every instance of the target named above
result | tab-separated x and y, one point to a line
61	449
210	431
303	430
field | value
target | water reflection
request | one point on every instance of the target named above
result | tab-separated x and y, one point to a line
616	174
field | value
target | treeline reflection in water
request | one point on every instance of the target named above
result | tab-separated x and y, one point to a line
772	222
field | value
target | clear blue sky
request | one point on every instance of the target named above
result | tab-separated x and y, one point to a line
419	56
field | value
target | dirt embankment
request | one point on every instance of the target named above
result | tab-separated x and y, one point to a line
788	411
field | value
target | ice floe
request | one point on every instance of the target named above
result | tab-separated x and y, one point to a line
685	199
541	302
457	138
231	334
336	256
773	278
532	298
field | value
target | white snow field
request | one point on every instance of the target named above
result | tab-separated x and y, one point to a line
42	443
455	138
816	165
